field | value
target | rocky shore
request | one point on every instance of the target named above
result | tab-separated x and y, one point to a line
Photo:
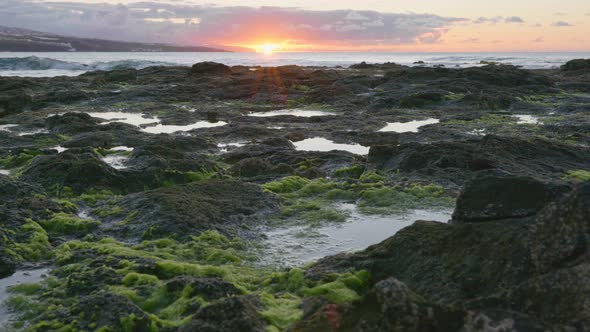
152	197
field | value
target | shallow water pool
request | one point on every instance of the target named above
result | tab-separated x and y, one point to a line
19	277
117	160
407	127
298	245
169	129
299	112
526	119
136	119
324	145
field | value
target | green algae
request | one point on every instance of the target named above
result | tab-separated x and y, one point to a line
288	184
123	272
281	310
312	200
22	159
578	175
67	224
390	200
345	289
36	247
134	279
355	172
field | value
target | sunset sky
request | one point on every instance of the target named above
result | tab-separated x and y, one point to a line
307	25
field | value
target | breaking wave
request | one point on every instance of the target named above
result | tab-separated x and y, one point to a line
39	63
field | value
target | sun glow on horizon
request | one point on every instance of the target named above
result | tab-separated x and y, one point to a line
268	49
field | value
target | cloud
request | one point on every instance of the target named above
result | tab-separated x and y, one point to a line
538	40
514	19
562	24
180	23
560	14
374	24
490	20
356	16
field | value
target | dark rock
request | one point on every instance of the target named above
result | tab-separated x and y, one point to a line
455	162
119	307
210	68
7	261
389	306
81	170
118	76
528	273
491	197
251	167
164	157
238	313
445	263
184	210
14	101
70	123
484	100
208	288
561	233
385	66
11	189
576	64
421	99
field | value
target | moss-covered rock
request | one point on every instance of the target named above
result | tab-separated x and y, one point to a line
79	170
182	210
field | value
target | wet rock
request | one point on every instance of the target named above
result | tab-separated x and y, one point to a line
70	123
455	161
540	266
561	233
65	95
114	76
210	68
11	189
14	101
184	210
484	100
489	196
385	66
445	263
100	139
162	157
389	306
208	288
80	170
576	64
238	313
421	99
7	261
252	167
119	308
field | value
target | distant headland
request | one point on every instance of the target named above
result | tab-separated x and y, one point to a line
24	40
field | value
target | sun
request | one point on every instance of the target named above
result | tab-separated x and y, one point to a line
269	49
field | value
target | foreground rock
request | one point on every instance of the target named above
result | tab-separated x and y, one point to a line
502	271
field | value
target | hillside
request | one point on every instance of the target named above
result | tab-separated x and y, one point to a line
23	40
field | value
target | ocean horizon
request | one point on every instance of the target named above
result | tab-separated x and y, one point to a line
50	64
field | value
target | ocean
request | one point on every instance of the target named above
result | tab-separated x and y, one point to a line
72	63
